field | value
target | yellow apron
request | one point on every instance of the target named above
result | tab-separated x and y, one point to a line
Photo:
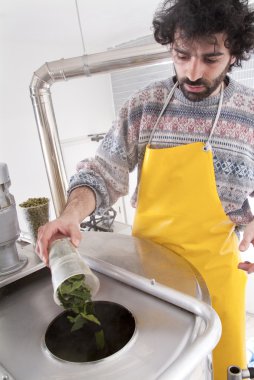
179	208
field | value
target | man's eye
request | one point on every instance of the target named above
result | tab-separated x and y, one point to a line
183	57
210	60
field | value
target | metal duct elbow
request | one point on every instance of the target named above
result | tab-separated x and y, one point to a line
70	68
59	70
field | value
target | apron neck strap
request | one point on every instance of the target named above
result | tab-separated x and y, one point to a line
162	111
207	144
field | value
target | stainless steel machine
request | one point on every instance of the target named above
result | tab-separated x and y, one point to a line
175	327
10	260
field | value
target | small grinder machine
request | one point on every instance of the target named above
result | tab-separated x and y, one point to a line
10	261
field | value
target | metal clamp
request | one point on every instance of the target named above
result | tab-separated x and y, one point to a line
236	373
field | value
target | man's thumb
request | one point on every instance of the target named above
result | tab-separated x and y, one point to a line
244	244
75	236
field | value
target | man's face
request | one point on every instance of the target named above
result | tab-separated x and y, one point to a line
201	65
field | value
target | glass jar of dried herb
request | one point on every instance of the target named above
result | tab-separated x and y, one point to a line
36	213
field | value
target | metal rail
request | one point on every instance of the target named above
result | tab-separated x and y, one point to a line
197	350
70	68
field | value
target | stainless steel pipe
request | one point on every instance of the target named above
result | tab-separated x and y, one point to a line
65	69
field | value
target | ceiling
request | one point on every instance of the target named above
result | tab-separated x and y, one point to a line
105	23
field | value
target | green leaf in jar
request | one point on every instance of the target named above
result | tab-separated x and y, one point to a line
74	295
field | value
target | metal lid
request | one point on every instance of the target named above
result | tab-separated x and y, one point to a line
145	258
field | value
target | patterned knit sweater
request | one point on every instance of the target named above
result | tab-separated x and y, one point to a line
183	122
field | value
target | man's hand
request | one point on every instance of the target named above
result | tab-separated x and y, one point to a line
56	229
248	238
81	203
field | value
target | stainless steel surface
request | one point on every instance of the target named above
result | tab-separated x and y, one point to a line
9	227
248	373
146	259
33	264
163	331
157	263
64	69
167	343
4	374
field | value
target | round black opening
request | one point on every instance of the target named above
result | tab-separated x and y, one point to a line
80	346
235	370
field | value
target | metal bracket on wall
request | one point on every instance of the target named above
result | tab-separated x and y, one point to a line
97	136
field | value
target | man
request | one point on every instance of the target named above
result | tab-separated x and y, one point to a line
193	141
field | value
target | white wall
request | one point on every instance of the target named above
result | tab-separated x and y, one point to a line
81	106
33	32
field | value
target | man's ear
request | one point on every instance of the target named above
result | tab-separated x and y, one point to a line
232	60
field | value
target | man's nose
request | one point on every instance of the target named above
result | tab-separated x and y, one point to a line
195	69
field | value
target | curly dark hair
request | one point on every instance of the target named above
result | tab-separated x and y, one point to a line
204	18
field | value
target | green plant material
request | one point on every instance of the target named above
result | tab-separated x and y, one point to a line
36	212
100	339
32	202
77	322
74	295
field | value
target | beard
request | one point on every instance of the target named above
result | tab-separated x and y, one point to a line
209	86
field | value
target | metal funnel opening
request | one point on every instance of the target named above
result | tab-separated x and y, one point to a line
80	346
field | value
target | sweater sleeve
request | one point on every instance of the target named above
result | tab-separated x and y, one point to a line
107	174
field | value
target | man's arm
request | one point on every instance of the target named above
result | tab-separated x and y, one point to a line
101	180
81	203
248	238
